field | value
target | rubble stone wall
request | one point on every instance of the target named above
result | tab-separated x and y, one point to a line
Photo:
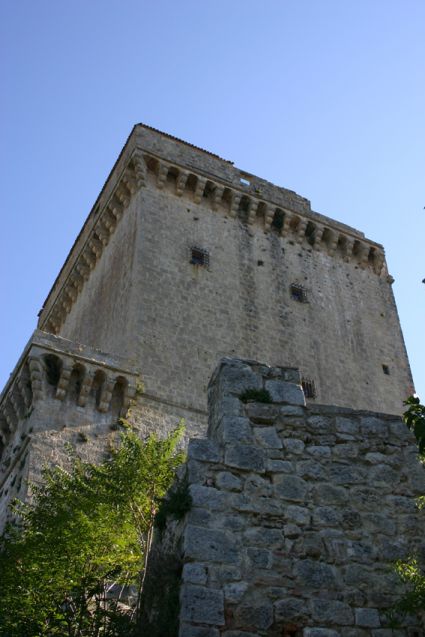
298	514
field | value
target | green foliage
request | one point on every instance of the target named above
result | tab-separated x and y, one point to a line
255	395
412	571
86	528
414	417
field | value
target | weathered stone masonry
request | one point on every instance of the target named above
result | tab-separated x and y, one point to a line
132	263
59	393
298	515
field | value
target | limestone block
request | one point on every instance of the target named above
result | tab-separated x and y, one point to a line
267	437
327	516
210	545
236	376
367	617
280	466
297	514
204	450
293	445
331	612
203	605
283	392
290	410
371	426
194	573
257	614
315	574
263	536
291	487
236	429
234	592
311	469
228	481
347	425
245	457
346	474
290	608
209	498
319	451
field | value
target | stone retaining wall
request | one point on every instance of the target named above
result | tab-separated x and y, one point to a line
298	514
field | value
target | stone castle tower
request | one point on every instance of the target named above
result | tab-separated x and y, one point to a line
185	259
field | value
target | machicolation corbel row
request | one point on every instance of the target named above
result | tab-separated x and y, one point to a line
56	385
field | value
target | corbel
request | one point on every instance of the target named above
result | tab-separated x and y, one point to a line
106	394
36	375
252	211
181	182
349	245
236	197
268	217
64	378
318	234
216	196
139	168
199	190
86	386
300	231
24	391
162	175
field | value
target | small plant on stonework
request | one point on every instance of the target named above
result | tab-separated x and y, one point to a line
255	395
82	437
140	388
176	504
412	570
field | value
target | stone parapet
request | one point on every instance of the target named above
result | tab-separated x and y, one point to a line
59	390
298	515
55	368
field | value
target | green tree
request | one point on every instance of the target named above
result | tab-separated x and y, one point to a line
84	529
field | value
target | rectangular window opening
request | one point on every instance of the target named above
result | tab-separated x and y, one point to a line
386	370
298	293
244	181
198	256
309	388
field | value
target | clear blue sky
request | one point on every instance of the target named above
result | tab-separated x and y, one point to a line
326	97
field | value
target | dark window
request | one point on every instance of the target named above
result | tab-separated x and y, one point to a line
298	293
199	257
309	388
386	370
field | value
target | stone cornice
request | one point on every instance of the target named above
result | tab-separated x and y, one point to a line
272	208
45	371
157	160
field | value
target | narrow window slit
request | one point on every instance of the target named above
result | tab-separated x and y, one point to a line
309	387
198	256
298	293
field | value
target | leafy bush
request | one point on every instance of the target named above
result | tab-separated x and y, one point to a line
85	528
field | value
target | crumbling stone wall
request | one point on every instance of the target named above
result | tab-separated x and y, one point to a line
298	514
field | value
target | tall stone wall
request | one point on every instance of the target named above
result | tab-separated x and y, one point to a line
129	286
298	515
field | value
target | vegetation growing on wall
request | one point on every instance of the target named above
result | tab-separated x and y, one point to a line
412	571
86	529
